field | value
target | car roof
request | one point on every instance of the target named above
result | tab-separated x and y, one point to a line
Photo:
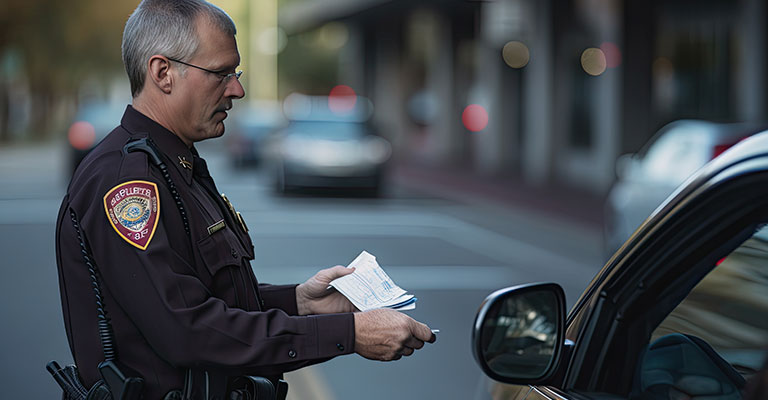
755	146
709	130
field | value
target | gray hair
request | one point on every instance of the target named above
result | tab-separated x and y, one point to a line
168	28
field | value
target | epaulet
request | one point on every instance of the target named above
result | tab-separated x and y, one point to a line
137	155
144	145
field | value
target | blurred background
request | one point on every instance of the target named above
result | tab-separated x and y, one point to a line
469	145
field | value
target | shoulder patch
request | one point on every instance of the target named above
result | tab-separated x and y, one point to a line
133	209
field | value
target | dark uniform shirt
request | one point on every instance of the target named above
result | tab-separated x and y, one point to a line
176	301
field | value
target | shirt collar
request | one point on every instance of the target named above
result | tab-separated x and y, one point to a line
175	151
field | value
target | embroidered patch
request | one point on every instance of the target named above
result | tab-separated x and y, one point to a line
133	209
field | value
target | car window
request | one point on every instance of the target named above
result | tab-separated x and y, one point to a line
728	308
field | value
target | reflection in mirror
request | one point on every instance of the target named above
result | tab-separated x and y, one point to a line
519	334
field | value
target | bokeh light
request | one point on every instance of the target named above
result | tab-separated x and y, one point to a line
474	117
516	54
612	54
333	35
342	99
593	61
271	41
81	135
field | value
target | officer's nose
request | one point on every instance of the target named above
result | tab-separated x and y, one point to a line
234	89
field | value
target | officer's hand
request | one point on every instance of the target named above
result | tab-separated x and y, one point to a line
314	297
387	335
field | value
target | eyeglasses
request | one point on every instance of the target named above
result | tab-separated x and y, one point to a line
224	76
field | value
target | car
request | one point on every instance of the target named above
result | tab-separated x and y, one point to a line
647	177
323	147
251	125
679	311
92	122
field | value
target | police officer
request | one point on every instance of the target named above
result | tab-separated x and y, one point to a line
173	256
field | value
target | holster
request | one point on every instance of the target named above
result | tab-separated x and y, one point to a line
115	384
123	383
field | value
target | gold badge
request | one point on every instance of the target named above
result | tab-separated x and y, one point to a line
235	215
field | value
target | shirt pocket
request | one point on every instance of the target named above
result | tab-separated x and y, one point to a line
221	249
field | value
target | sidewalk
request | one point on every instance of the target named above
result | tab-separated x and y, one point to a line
572	204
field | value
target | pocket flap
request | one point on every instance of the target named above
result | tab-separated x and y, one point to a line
219	250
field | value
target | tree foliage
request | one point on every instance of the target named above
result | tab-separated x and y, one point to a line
63	42
59	44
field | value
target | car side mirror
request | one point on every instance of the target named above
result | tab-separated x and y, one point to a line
518	333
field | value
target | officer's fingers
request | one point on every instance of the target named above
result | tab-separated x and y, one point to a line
391	355
414	343
422	332
407	351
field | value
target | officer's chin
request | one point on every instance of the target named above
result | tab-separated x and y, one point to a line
216	130
219	129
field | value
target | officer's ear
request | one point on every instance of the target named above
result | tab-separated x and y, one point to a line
158	73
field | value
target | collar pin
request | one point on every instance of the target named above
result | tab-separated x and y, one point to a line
184	163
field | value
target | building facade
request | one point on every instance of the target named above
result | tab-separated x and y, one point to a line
567	85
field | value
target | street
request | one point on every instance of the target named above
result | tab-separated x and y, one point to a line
450	253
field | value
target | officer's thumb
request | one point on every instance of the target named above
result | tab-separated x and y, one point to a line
422	332
338	271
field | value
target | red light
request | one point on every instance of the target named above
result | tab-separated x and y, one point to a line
612	54
474	117
721	148
720	261
342	99
81	135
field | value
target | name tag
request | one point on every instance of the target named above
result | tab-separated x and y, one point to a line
216	227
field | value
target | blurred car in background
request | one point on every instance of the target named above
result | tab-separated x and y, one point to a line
649	176
328	144
251	124
92	122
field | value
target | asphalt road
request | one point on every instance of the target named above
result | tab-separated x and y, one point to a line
450	254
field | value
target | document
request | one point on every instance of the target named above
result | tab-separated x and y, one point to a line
369	287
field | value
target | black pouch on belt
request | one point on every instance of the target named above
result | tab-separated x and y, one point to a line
256	388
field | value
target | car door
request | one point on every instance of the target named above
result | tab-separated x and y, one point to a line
614	321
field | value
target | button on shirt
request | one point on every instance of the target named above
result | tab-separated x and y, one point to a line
185	300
